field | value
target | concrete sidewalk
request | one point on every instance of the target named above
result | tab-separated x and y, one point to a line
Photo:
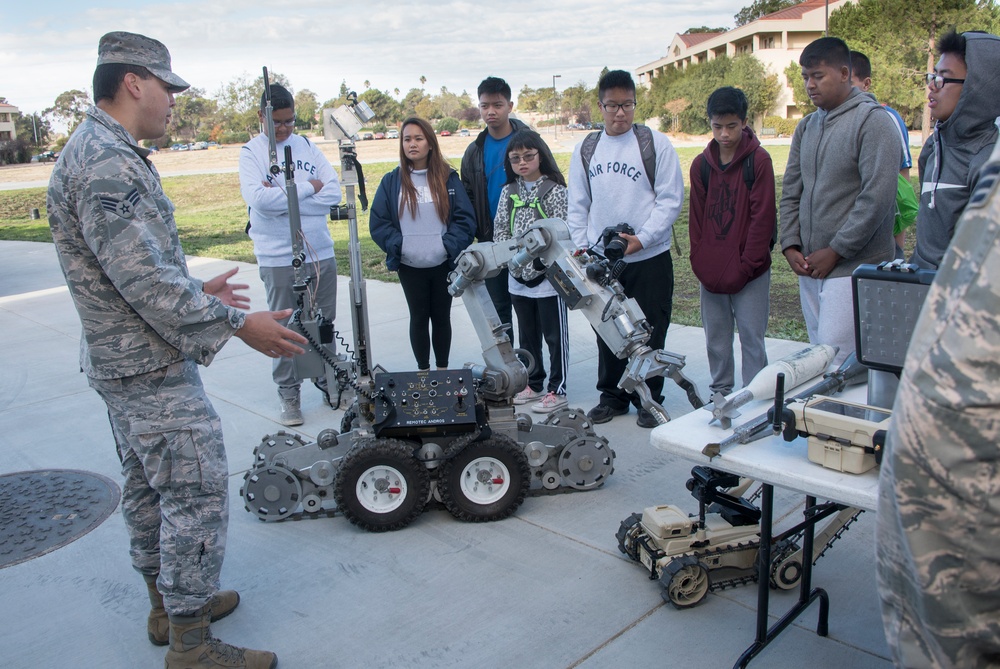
546	588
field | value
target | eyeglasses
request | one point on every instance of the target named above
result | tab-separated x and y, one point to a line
613	108
937	82
287	124
525	158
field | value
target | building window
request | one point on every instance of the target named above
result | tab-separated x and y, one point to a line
4	118
5	135
767	42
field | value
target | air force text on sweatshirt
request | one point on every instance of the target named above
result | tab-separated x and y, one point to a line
269	224
620	193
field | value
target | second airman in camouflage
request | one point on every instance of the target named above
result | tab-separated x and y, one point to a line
938	519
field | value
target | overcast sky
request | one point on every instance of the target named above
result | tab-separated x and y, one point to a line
48	47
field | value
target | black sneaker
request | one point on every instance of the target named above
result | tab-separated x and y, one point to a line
646	419
603	413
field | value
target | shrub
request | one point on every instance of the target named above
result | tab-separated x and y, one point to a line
235	137
783	127
447	123
14	151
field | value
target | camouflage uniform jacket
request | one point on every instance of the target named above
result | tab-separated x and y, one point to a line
117	243
938	553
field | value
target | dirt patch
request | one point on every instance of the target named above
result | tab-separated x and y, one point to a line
227	157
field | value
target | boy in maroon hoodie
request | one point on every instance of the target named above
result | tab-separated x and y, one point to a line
733	227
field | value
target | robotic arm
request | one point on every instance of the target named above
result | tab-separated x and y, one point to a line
586	283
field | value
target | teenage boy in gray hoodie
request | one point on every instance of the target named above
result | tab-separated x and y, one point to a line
963	93
839	193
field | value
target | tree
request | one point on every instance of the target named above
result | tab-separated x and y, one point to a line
423	80
385	108
306	108
793	73
761	8
69	109
194	117
239	101
703	29
27	126
579	100
761	88
899	37
412	99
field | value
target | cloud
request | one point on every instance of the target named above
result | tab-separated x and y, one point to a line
454	43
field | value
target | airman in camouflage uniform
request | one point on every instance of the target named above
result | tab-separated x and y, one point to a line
939	500
147	325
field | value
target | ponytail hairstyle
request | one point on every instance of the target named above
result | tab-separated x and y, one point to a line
525	139
438	171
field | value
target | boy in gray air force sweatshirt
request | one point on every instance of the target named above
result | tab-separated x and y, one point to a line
839	193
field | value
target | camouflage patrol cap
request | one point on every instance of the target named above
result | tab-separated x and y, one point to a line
133	49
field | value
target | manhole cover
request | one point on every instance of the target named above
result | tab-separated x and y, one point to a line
44	510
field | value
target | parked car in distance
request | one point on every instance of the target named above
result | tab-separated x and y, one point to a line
214	145
464	132
446	133
44	157
379	135
199	146
392	134
367	135
178	147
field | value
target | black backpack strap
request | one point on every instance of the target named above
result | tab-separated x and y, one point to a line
648	152
706	172
587	152
748	175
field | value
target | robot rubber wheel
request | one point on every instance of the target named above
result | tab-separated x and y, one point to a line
381	486
487	480
685	582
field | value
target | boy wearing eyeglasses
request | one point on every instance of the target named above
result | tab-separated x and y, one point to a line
963	94
318	189
838	200
615	188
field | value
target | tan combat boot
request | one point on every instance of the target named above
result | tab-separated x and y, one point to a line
222	604
192	646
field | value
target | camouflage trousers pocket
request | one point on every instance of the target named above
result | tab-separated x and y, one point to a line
189	458
190	576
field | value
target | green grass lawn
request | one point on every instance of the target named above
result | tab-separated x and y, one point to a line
211	218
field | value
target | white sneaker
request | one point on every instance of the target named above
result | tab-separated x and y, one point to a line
291	412
527	395
550	403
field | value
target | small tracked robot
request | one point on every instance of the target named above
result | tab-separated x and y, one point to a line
691	556
449	435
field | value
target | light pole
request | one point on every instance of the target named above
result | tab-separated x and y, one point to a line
555	126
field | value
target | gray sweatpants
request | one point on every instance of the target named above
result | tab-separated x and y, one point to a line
748	310
828	307
278	282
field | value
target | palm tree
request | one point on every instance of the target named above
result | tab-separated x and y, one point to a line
423	80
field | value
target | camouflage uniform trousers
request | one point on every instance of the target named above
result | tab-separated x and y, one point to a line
175	498
938	550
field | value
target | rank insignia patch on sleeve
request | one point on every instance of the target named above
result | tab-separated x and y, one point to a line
124	207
